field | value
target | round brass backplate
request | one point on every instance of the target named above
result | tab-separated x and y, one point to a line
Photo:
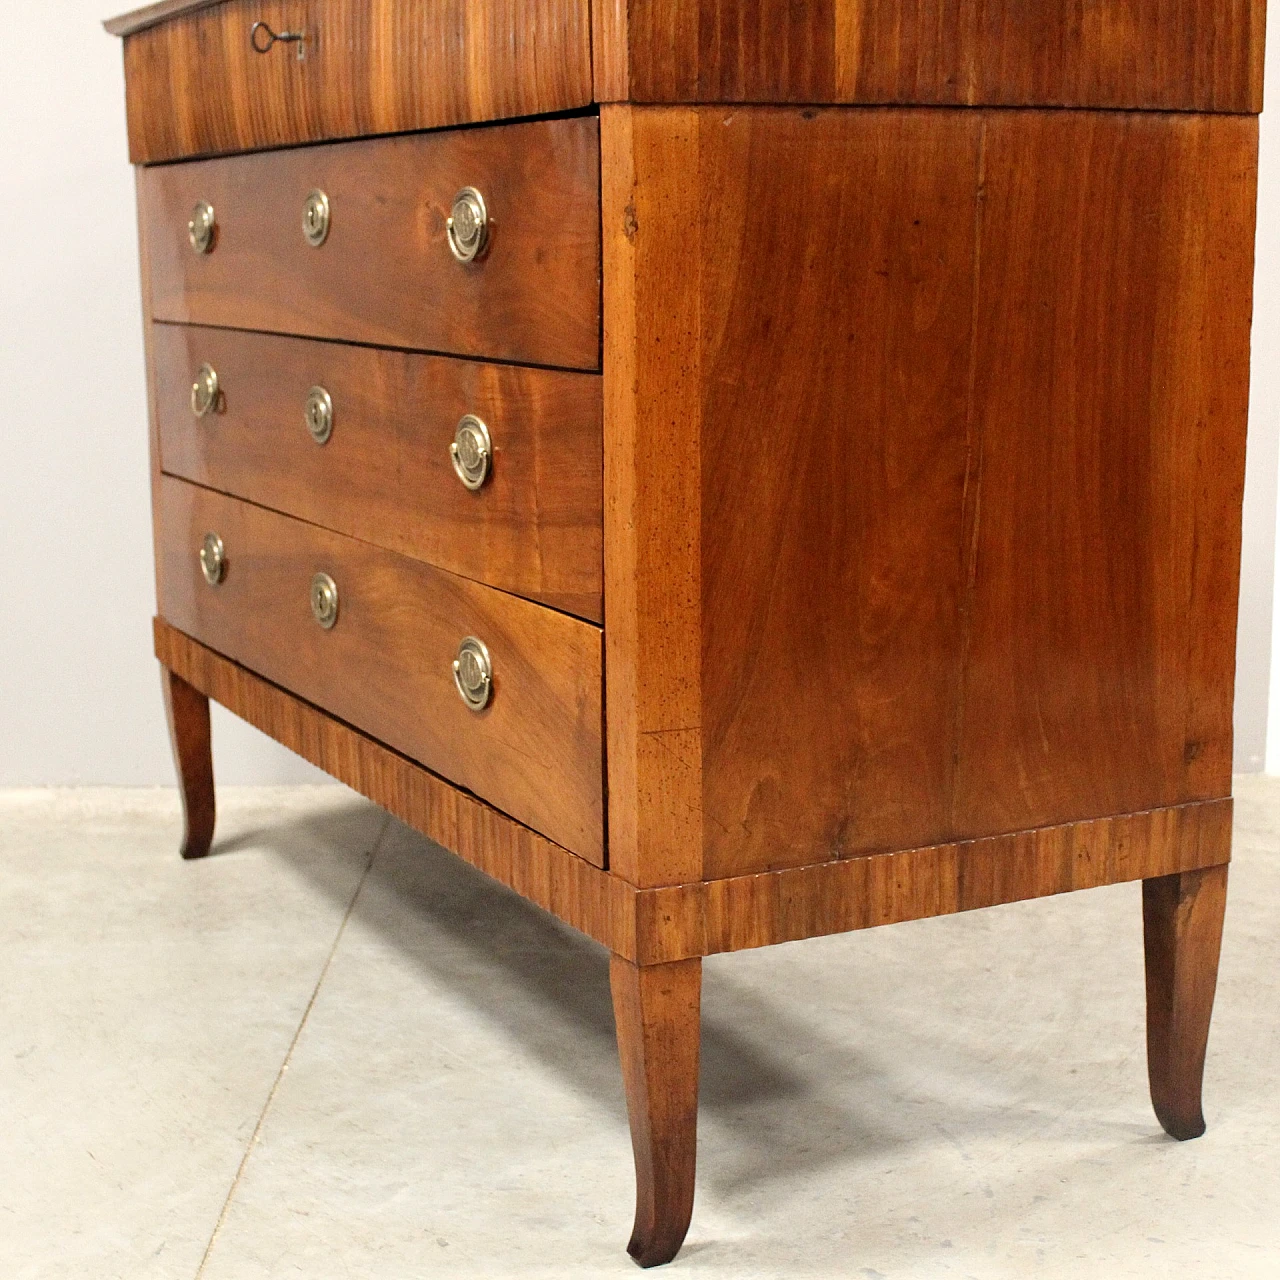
468	225
315	218
318	413
471	451
204	391
202	228
473	673
324	600
213	559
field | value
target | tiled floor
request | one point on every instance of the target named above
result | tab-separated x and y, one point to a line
334	1051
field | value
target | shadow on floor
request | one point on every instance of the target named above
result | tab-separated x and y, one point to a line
781	1095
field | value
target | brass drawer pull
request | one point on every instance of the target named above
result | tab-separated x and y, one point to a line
473	673
471	450
262	38
468	225
205	391
202	229
213	559
324	600
315	218
319	414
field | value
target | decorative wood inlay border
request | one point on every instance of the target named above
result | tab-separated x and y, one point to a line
654	926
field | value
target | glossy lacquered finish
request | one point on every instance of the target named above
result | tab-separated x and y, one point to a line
386	666
385	472
195	86
385	272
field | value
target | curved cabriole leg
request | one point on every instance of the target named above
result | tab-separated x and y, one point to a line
188	713
657	1009
1182	927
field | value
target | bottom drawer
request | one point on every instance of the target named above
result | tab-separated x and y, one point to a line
386	663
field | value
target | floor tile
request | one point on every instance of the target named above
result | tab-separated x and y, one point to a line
146	1008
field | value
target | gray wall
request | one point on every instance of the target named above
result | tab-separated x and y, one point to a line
79	692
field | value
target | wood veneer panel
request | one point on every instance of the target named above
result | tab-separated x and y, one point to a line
967	444
656	926
534	752
385	273
195	87
652	214
385	474
861	893
581	895
1110	405
1197	55
834	379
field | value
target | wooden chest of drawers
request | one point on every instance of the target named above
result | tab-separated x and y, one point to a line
655	451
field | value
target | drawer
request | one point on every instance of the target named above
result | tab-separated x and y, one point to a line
385	472
194	84
385	272
386	665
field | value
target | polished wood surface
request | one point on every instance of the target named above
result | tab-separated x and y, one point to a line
679	922
194	86
1182	918
571	888
386	667
955	516
653	218
889	888
148	15
187	713
385	474
385	274
1193	55
658	1014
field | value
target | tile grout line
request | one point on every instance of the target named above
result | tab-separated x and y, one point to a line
293	1044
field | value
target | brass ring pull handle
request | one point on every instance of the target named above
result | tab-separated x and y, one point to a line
471	451
213	559
205	392
468	225
261	37
473	673
324	600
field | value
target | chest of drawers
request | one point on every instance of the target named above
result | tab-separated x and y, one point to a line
732	473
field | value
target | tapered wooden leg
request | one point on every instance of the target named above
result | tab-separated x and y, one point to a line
658	1009
1182	925
188	713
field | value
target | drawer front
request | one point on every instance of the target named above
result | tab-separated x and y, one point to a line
383	470
195	86
386	665
385	272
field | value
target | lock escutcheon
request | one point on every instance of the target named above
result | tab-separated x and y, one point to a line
324	600
202	227
468	225
471	451
213	559
204	391
473	673
318	413
315	218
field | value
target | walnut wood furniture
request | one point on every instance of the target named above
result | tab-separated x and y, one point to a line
776	470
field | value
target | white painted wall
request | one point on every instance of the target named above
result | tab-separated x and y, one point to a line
79	692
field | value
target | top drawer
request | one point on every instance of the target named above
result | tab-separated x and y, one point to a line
195	86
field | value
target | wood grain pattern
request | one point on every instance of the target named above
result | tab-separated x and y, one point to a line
187	713
1194	55
385	474
385	274
963	547
1110	402
572	889
658	1014
195	87
610	57
878	889
652	229
1182	926
658	926
534	752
